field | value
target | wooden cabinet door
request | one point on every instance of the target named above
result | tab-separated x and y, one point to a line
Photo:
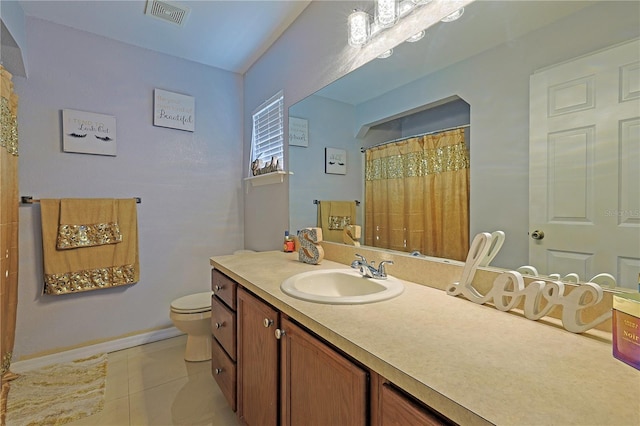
257	361
318	385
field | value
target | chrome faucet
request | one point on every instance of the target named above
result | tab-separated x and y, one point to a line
359	261
369	270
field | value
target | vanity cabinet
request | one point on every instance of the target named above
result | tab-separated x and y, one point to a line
287	376
223	330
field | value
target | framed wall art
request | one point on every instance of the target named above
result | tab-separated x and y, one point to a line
298	132
88	133
174	110
335	161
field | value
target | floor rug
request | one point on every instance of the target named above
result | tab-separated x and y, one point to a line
59	393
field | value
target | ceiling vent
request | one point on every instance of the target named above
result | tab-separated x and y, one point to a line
167	11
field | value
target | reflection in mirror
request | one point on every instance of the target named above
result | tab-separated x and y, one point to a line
485	61
417	194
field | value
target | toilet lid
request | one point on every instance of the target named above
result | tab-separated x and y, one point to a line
193	303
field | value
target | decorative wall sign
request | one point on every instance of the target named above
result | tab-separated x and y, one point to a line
539	297
298	132
335	161
88	133
174	110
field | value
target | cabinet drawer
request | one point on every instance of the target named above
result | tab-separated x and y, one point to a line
398	410
223	370
223	326
224	287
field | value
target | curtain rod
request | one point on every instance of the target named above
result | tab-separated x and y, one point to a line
363	149
27	199
317	201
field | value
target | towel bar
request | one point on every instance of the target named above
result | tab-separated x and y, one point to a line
27	199
317	201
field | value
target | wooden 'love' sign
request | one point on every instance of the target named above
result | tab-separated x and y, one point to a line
539	297
310	251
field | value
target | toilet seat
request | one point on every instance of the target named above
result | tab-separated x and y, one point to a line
193	303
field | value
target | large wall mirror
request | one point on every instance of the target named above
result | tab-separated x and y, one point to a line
476	73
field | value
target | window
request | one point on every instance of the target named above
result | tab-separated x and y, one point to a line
267	137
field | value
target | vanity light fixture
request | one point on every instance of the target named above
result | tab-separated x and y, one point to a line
362	27
455	15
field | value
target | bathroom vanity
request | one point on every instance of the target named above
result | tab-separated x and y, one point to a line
277	361
422	357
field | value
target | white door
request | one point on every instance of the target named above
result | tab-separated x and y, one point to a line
584	153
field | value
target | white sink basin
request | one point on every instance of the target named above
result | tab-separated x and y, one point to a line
340	287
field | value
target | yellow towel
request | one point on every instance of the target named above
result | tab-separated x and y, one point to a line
333	216
86	223
94	267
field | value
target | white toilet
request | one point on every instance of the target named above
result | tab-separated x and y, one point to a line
192	315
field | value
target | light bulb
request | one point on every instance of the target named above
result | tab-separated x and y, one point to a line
358	26
416	37
455	15
386	13
385	55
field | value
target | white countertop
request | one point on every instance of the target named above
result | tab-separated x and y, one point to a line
472	363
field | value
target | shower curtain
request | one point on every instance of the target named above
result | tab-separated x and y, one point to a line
417	195
9	229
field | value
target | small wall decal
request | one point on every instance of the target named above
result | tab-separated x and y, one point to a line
335	161
88	132
174	110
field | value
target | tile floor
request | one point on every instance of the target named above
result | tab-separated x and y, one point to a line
153	385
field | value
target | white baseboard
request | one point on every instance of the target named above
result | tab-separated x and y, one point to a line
87	351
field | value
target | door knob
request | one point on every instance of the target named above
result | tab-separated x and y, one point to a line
537	235
267	322
279	333
217	370
218	325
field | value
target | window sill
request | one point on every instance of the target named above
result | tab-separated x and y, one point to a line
267	178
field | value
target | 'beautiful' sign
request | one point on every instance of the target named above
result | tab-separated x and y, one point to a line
174	110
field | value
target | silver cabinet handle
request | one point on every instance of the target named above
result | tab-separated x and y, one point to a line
537	235
218	324
218	370
267	322
279	333
217	287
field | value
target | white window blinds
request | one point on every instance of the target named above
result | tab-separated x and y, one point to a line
268	132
